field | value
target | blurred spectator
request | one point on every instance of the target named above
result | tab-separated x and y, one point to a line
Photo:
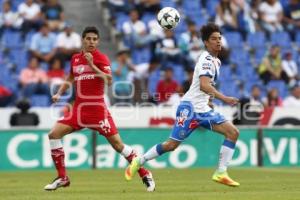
250	108
271	14
291	17
271	66
53	14
187	83
272	99
166	87
117	7
167	49
56	75
120	70
43	44
6	96
224	55
290	68
190	43
175	98
24	118
9	20
246	22
135	31
148	6
226	16
139	76
33	79
293	100
31	14
68	42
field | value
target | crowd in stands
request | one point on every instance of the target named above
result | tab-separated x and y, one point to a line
260	49
36	48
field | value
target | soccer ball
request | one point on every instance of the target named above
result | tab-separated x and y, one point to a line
168	17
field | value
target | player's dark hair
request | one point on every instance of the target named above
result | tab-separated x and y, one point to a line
209	29
90	29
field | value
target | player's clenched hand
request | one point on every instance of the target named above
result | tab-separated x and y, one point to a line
231	100
89	57
55	98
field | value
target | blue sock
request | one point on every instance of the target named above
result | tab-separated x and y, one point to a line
159	149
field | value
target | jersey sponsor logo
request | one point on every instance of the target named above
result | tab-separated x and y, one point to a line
206	66
85	77
79	69
183	117
104	126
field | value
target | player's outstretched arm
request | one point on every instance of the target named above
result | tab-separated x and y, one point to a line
62	89
205	83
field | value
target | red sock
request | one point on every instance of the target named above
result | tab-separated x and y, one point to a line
58	156
142	171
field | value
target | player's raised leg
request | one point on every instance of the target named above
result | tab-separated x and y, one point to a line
154	152
58	156
231	134
129	154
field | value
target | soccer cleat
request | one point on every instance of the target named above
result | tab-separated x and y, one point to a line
222	177
57	183
149	182
132	168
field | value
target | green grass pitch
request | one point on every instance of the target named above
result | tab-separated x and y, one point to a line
173	184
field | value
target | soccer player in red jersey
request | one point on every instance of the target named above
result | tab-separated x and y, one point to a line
90	71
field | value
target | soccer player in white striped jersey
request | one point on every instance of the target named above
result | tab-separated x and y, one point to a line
194	111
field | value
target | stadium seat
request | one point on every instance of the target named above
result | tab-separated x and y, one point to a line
152	81
239	56
256	40
234	39
211	7
280	85
281	38
12	39
168	3
40	101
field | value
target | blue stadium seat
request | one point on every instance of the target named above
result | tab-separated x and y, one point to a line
281	38
153	80
178	73
239	56
40	101
12	39
280	85
168	3
141	55
211	7
234	39
148	17
120	21
256	40
188	5
259	54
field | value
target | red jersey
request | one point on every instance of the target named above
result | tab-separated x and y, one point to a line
89	87
89	109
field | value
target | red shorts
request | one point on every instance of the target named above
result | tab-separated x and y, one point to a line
95	118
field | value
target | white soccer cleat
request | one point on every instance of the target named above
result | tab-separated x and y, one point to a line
149	182
57	183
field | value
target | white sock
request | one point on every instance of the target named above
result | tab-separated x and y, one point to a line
152	153
55	143
226	153
127	150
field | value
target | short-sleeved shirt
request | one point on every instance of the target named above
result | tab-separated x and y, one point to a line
52	12
43	44
207	65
